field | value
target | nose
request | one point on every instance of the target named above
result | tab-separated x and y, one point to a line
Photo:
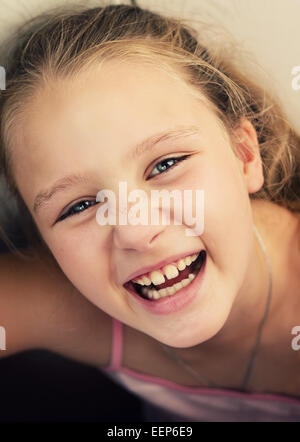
140	237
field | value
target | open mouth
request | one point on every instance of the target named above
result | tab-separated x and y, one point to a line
171	286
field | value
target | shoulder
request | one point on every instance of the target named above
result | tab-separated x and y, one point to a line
44	310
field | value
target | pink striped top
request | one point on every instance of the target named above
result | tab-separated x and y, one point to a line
167	401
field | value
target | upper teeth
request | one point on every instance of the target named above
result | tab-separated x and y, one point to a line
170	271
168	291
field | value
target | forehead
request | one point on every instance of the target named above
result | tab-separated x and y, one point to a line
102	98
107	110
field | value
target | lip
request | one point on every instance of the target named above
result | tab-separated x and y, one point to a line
170	260
177	302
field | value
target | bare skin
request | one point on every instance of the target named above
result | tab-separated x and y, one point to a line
223	362
63	321
217	332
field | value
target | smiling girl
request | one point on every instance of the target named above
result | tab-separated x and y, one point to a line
199	326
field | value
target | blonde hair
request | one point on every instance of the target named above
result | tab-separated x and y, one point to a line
63	43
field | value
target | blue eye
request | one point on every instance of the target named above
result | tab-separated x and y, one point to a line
77	208
165	165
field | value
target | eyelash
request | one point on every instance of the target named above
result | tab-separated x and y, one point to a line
69	211
165	160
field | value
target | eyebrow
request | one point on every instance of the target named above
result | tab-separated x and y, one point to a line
44	197
167	135
140	149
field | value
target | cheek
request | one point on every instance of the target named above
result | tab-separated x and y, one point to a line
227	209
84	259
225	194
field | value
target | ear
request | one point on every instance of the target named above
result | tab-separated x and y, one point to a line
248	152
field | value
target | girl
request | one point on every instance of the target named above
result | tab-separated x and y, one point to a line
116	94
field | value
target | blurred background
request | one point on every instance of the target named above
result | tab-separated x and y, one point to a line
42	386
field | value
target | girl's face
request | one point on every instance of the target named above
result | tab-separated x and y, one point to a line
91	126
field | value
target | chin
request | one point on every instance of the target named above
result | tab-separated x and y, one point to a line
192	336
